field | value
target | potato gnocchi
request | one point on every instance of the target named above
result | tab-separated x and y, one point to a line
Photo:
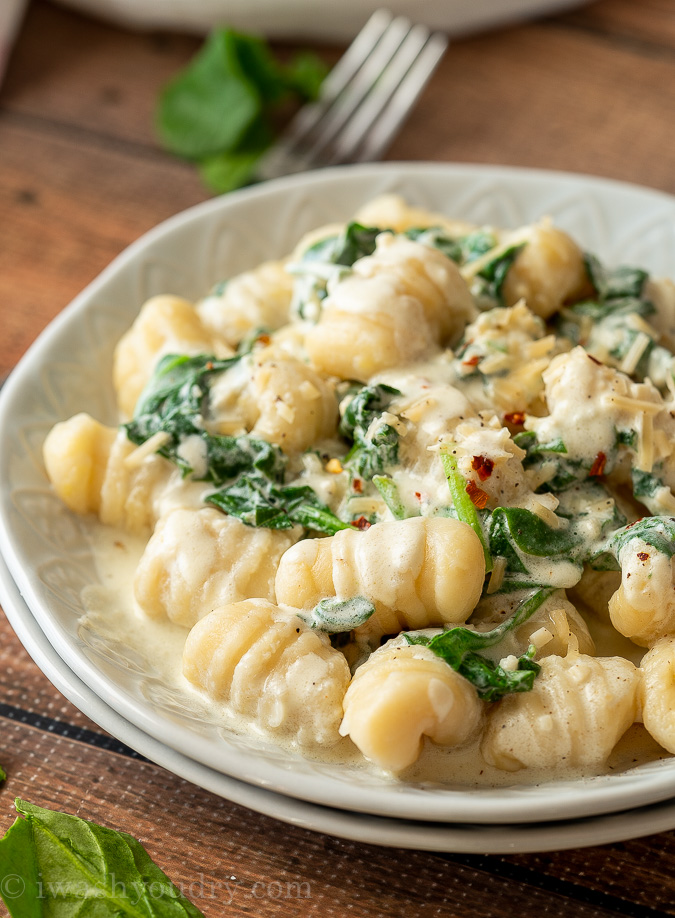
409	492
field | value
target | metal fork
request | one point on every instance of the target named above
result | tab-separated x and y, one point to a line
364	99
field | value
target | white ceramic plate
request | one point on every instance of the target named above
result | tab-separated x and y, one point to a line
68	368
466	839
314	19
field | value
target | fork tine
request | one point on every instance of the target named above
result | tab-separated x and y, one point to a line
356	91
287	155
402	68
363	100
340	76
378	138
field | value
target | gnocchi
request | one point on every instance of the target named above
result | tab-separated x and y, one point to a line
405	495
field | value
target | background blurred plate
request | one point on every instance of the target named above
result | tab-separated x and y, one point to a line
67	370
313	19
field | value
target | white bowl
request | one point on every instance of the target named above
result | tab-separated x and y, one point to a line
67	370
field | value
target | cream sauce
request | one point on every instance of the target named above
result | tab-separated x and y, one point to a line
155	648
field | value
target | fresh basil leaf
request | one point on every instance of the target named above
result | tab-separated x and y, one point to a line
209	107
63	866
219	110
336	616
304	75
459	648
230	169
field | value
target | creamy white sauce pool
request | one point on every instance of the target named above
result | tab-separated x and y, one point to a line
156	647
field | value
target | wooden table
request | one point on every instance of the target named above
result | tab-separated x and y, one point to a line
81	176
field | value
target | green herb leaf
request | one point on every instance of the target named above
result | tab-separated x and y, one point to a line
565	472
328	259
459	648
231	169
304	74
657	531
489	282
645	484
476	244
390	494
336	616
530	534
615	283
57	865
218	110
374	447
257	501
464	506
437	238
210	106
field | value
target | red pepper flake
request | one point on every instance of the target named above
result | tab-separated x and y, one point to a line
598	466
479	497
643	556
515	417
362	523
418	495
263	340
483	466
472	361
209	364
357	485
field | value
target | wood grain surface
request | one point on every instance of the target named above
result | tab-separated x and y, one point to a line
82	176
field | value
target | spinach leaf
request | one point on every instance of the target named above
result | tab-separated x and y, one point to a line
60	865
248	472
565	472
459	648
337	616
257	501
489	281
530	534
464	507
476	244
619	298
173	401
437	238
326	260
645	484
220	110
374	446
657	531
614	283
3	774
390	494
